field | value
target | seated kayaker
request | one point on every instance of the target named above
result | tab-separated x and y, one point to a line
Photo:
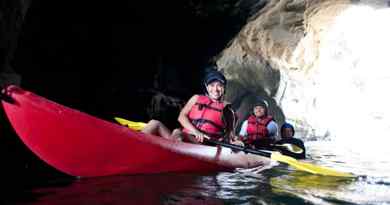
259	130
287	132
202	116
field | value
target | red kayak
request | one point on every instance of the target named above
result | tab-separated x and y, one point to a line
79	144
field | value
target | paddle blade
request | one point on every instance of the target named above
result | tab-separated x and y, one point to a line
138	126
308	167
290	147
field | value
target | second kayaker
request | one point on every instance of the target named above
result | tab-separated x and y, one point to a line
259	130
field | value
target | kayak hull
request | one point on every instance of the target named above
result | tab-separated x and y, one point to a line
82	145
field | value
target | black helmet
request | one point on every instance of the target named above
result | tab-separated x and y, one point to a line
261	103
213	76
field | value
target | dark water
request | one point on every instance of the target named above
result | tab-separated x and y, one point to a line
277	184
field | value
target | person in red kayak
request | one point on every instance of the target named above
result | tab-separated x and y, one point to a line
208	117
203	116
259	130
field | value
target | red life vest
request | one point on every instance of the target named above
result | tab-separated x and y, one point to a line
257	128
206	115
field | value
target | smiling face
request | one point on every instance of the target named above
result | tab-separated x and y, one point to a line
215	90
259	111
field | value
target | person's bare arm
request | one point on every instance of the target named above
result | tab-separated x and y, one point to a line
185	121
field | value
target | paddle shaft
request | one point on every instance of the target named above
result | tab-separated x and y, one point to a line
240	148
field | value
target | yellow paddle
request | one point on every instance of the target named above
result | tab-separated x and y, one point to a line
137	126
299	165
308	167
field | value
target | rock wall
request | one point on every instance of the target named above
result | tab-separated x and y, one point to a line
279	56
12	13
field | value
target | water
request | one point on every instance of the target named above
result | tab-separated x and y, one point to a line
278	184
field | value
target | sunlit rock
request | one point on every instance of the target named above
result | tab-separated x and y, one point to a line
312	59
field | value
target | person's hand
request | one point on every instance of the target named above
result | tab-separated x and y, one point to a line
199	136
238	142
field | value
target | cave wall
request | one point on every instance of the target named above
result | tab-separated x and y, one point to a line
112	59
12	14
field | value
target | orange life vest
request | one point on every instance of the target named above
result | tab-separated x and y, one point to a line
257	128
206	115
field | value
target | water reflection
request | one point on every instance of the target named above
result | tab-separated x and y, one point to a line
243	187
140	189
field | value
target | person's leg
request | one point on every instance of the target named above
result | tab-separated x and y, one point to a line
155	127
177	134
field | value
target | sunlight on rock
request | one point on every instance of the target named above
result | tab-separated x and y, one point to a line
353	77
